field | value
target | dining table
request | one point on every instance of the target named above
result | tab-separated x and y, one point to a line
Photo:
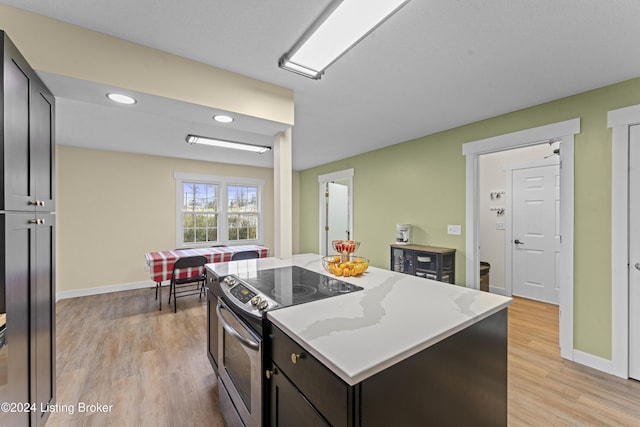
160	263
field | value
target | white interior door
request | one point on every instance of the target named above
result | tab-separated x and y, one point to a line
634	252
336	208
337	227
535	242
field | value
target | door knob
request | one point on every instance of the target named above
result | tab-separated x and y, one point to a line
637	266
518	242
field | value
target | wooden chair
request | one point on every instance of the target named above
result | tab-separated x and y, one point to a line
191	285
245	255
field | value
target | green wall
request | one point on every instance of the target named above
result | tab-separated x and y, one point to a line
422	182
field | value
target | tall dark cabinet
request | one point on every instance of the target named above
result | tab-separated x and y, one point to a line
27	239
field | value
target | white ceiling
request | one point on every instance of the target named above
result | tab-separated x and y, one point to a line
435	65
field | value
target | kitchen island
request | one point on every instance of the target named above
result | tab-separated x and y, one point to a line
402	351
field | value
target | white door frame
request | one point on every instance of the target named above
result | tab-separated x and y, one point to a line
508	235
346	174
619	121
565	132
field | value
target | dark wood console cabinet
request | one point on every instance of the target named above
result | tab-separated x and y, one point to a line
430	262
27	239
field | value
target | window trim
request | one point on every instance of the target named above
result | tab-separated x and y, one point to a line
223	228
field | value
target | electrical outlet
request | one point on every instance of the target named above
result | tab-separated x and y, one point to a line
454	229
499	225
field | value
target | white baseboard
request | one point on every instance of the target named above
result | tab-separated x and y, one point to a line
497	290
595	362
104	290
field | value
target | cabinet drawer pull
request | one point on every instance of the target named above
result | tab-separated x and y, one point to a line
269	373
37	221
295	357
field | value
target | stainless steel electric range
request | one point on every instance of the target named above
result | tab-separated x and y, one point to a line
238	304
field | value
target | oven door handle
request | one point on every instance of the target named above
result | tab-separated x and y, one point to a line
227	327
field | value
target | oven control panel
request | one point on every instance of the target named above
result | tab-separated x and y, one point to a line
246	297
242	293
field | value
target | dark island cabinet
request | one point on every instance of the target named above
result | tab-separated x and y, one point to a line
303	389
459	381
289	407
27	239
430	262
212	321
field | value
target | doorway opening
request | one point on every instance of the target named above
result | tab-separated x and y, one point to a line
336	208
563	132
518	227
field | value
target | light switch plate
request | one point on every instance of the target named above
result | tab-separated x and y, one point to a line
454	229
499	225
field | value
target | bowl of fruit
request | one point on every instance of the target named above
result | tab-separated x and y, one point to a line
345	247
353	266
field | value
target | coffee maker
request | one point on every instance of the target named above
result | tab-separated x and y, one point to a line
403	235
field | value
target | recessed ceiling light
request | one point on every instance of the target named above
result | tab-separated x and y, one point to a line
121	98
222	118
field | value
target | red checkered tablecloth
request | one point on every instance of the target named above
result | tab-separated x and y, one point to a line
160	263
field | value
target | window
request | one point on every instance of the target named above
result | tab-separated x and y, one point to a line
218	210
199	212
242	212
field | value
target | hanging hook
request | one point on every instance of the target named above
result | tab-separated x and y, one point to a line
498	211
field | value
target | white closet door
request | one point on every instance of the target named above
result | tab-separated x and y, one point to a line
634	252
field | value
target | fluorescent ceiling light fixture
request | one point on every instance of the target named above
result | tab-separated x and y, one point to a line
195	139
121	98
340	27
222	118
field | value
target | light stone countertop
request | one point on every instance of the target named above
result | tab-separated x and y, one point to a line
395	316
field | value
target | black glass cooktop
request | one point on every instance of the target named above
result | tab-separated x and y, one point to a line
296	285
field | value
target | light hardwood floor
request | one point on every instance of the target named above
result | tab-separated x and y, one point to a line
118	349
546	390
151	366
